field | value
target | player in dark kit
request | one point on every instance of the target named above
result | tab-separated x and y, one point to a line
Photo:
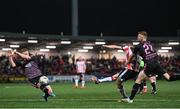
126	73
129	72
152	66
32	71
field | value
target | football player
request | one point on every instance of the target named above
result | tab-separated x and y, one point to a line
146	50
32	71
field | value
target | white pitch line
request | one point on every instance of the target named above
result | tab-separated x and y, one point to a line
98	99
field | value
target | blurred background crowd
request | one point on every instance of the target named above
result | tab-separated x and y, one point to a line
66	65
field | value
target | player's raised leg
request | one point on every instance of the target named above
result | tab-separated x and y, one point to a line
106	79
45	87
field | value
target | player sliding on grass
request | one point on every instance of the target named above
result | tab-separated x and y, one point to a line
127	50
32	71
122	76
126	73
152	66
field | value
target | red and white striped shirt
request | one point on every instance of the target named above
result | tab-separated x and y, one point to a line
80	67
128	51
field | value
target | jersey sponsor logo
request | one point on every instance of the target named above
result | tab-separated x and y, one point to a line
151	56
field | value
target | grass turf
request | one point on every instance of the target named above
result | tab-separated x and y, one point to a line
104	95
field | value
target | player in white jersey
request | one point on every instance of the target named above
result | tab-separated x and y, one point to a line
80	70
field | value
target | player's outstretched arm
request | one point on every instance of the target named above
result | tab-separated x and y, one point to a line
11	61
112	46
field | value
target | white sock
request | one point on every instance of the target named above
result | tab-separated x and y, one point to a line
105	79
76	82
83	83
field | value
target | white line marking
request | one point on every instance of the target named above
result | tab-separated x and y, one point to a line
98	99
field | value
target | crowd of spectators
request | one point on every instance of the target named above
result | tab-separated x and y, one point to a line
170	64
65	65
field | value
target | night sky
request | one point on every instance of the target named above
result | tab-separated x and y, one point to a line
112	17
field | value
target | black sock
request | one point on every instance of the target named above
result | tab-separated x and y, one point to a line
44	89
153	86
174	78
46	92
134	90
141	87
144	83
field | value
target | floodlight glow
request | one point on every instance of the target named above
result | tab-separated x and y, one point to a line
6	49
45	50
135	43
163	51
82	50
32	41
14	46
69	52
173	43
2	40
166	48
88	47
100	43
51	47
120	51
65	42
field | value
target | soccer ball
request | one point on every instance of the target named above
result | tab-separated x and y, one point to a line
43	80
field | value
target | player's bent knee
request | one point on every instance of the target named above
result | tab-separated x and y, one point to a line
119	82
43	86
138	81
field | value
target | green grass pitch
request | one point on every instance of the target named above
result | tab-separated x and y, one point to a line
104	95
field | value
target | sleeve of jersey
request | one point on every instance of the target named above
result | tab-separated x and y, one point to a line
136	49
130	51
125	49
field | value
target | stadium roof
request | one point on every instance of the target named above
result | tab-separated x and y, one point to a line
76	41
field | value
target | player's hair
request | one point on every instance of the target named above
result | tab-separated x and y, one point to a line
23	50
144	33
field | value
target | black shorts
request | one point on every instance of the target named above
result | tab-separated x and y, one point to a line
127	74
81	75
153	68
35	80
